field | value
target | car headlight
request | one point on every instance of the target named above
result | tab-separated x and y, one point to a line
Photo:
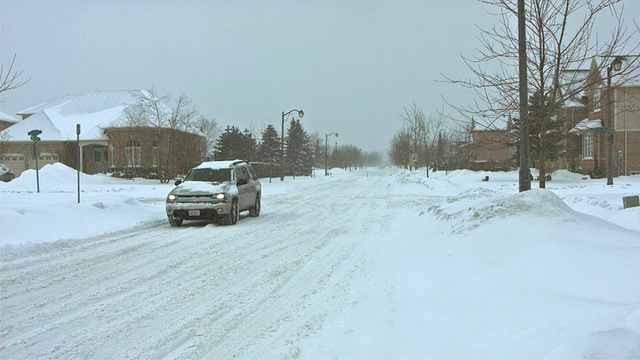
171	198
221	196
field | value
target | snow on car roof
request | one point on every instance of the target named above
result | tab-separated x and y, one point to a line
219	164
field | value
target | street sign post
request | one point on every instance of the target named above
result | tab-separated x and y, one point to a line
36	153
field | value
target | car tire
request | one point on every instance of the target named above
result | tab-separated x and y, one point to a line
232	217
254	211
174	222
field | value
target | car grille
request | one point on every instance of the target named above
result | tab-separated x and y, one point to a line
197	199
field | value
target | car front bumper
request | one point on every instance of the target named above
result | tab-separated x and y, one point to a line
197	211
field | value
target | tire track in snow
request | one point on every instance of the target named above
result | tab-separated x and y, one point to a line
252	290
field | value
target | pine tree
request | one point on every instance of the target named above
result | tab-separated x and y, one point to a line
546	132
232	144
269	149
298	151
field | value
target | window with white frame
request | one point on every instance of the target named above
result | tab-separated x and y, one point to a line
132	153
155	161
587	146
596	99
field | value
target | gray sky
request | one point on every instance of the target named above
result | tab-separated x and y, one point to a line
351	65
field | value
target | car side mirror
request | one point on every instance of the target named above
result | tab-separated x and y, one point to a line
178	182
242	182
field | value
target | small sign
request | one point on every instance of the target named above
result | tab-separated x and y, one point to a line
34	135
414	157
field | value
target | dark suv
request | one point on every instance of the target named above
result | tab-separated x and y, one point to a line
216	191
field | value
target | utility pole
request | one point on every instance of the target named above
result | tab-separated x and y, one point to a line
524	174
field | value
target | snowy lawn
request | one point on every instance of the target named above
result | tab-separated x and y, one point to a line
451	267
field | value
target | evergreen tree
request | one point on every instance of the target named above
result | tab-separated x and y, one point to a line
232	144
269	150
249	146
298	150
545	137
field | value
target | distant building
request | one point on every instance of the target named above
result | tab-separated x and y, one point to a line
490	148
110	141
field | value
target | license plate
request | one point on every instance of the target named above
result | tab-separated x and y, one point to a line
194	212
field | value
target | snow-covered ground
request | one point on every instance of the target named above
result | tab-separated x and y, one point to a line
366	264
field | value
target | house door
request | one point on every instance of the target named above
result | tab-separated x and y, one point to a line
99	160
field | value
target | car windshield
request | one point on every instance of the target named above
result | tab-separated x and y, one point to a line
209	175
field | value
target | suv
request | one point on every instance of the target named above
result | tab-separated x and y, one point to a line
217	191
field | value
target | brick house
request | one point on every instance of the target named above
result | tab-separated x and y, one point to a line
490	149
107	141
588	140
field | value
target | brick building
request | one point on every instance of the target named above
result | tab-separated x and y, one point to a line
589	138
108	141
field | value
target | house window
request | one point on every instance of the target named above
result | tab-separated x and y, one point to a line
596	99
132	153
587	146
156	154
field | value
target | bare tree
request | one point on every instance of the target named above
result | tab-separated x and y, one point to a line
183	114
210	129
11	79
423	131
400	147
559	38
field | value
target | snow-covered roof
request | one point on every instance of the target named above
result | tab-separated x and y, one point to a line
573	103
572	82
587	124
8	118
57	119
47	105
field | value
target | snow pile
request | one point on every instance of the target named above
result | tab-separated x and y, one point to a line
474	207
106	205
55	177
490	274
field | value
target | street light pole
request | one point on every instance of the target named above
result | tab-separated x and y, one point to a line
300	114
615	65
326	151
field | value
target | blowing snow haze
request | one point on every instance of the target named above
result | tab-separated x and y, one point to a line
352	66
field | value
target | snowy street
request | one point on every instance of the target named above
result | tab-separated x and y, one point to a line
250	290
369	264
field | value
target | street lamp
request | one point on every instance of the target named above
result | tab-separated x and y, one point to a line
615	65
326	151
300	114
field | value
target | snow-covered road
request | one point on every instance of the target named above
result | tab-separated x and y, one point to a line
363	265
253	290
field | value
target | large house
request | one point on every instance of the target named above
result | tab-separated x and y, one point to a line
586	110
111	139
620	117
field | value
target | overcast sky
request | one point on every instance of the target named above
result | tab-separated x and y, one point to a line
352	66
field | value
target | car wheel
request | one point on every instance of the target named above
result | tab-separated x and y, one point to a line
175	222
232	218
254	211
